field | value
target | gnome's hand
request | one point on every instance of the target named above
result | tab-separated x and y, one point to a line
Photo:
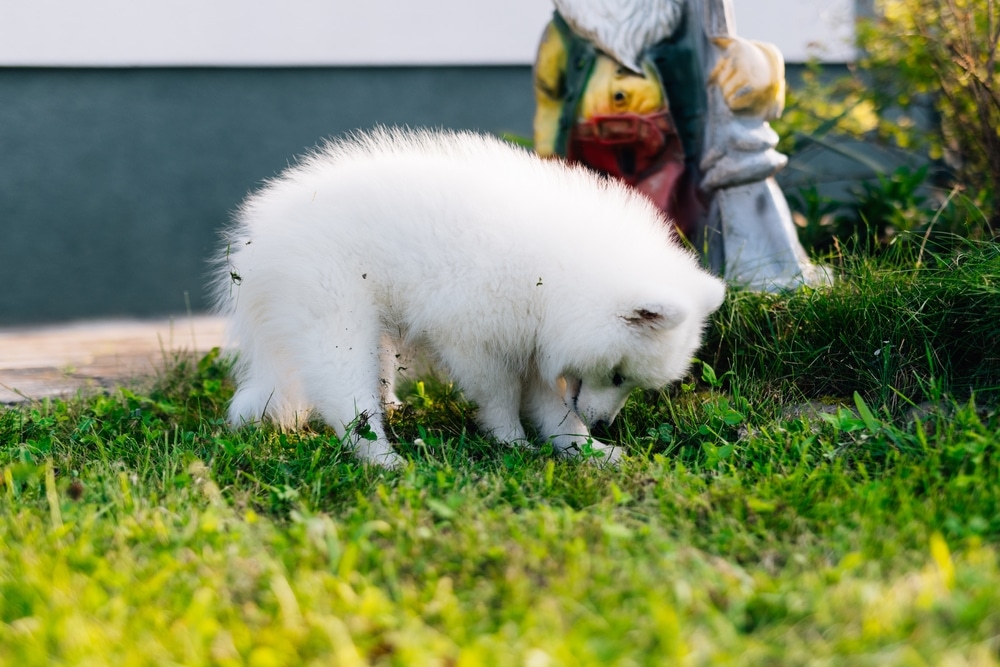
751	76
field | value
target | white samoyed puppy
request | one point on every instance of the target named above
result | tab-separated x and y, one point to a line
541	289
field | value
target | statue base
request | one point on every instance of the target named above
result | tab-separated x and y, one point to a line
752	243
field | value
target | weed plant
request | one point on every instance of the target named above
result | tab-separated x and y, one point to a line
822	490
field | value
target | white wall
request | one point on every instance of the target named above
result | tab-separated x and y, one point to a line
345	32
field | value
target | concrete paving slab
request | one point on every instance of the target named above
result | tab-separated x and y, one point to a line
61	360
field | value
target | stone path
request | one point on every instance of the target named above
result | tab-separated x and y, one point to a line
60	360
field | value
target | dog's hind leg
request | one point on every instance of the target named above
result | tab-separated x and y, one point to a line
340	369
267	388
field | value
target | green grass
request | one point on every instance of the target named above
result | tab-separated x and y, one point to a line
747	526
888	327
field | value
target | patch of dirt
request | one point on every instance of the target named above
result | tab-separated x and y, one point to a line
62	360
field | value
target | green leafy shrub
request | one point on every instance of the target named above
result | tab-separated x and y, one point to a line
821	104
928	82
946	50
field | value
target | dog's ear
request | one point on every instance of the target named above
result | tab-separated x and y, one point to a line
654	316
659	310
713	293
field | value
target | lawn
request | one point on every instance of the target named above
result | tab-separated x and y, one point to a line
822	490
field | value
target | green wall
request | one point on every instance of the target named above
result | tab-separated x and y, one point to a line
114	182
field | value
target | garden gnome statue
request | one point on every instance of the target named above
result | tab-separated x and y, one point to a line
664	95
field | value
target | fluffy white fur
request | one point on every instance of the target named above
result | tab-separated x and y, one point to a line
540	288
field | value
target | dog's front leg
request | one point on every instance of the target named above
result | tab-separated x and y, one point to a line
499	412
562	427
497	393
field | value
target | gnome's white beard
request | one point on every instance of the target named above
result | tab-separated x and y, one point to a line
623	29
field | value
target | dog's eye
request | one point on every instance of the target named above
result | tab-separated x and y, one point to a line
617	379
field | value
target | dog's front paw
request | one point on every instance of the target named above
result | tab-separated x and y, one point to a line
588	449
602	454
610	455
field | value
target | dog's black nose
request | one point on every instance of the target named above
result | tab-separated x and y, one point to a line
600	423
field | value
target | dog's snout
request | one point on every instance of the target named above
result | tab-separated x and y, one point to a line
601	423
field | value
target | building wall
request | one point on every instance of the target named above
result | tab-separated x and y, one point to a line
130	129
114	182
329	33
